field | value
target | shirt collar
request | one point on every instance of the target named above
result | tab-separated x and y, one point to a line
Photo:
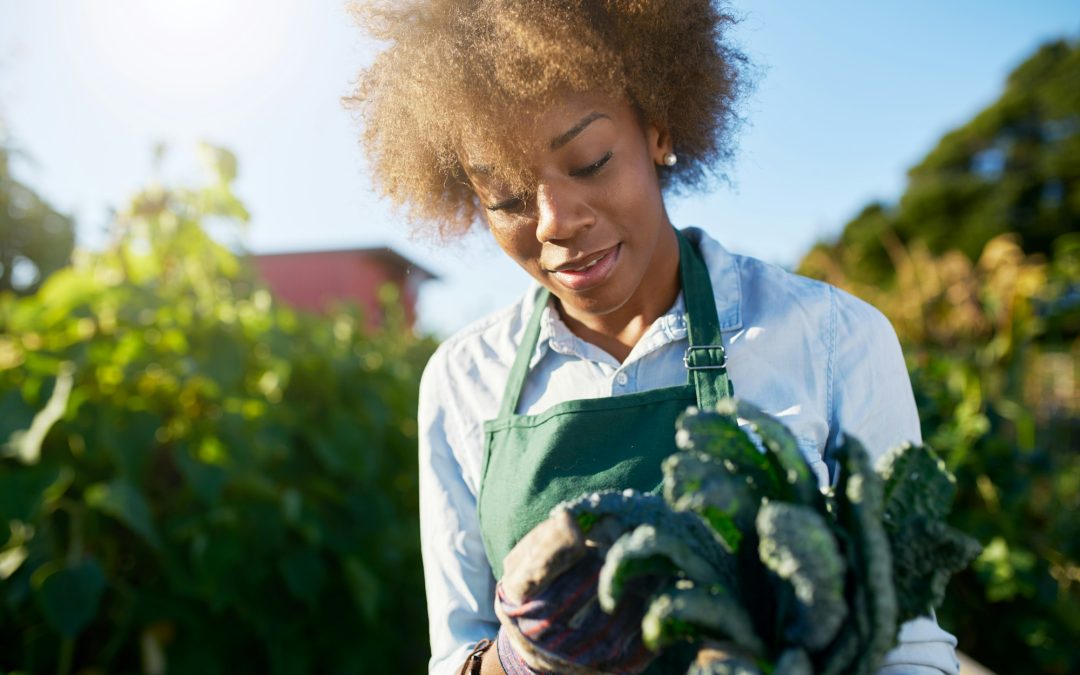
723	273
557	336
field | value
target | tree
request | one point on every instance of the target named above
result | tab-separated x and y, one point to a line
35	239
1014	168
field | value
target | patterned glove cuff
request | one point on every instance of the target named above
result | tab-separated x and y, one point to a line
510	661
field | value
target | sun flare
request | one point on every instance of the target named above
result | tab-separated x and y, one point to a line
185	49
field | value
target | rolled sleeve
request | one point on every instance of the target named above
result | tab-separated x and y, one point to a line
923	649
456	573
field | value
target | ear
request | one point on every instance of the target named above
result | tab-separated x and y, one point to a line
659	143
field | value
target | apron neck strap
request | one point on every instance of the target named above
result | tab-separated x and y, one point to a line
704	359
520	369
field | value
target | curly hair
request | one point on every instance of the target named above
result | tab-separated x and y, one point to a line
459	73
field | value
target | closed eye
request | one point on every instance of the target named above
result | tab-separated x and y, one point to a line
592	168
513	203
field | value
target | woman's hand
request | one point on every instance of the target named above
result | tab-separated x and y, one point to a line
550	614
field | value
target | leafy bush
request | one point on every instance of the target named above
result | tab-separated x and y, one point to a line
993	352
197	479
35	239
978	267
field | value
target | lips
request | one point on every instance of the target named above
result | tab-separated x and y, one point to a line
587	271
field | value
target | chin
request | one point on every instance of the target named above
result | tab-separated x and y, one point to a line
595	302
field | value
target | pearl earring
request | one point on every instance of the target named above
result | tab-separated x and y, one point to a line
670	159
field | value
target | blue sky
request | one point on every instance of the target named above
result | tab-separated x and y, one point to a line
849	95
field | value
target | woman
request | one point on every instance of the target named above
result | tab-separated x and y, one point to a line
560	126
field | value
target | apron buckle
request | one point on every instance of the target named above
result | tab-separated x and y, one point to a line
707	366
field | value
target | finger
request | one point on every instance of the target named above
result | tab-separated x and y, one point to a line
548	550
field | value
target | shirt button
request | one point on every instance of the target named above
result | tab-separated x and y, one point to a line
620	379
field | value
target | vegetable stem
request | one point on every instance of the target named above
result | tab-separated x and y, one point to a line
67	653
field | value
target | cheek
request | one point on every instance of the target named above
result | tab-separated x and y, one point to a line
647	181
517	240
637	194
637	181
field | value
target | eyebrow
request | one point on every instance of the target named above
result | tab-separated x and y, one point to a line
556	143
568	135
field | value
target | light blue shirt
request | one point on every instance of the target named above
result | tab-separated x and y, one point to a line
818	358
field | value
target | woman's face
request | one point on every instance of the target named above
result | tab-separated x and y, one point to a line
594	230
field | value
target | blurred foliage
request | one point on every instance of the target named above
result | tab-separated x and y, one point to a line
196	479
1014	168
35	239
979	271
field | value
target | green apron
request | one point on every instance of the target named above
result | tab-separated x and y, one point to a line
533	462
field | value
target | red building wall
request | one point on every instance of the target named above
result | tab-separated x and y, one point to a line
314	281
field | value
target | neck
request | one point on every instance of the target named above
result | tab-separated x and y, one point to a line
618	331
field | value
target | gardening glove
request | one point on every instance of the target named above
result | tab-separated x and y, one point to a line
717	659
548	607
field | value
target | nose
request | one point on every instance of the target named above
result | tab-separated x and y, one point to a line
562	211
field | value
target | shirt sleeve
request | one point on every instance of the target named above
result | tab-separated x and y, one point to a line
872	400
457	578
868	380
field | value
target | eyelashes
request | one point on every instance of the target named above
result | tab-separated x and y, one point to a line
592	168
512	203
518	202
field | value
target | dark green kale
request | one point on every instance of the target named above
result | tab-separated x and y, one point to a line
857	509
759	567
700	483
648	551
926	551
692	612
797	545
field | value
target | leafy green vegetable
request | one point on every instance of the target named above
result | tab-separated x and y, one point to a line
795	543
858	511
697	612
648	550
697	482
926	553
717	433
917	485
762	570
794	662
783	452
631	509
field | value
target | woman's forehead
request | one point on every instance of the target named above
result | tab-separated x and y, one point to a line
546	128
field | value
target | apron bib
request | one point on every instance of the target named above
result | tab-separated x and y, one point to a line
533	462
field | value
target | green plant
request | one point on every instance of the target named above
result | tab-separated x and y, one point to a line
197	479
35	239
994	359
764	572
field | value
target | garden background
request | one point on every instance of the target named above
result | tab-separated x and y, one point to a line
196	478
